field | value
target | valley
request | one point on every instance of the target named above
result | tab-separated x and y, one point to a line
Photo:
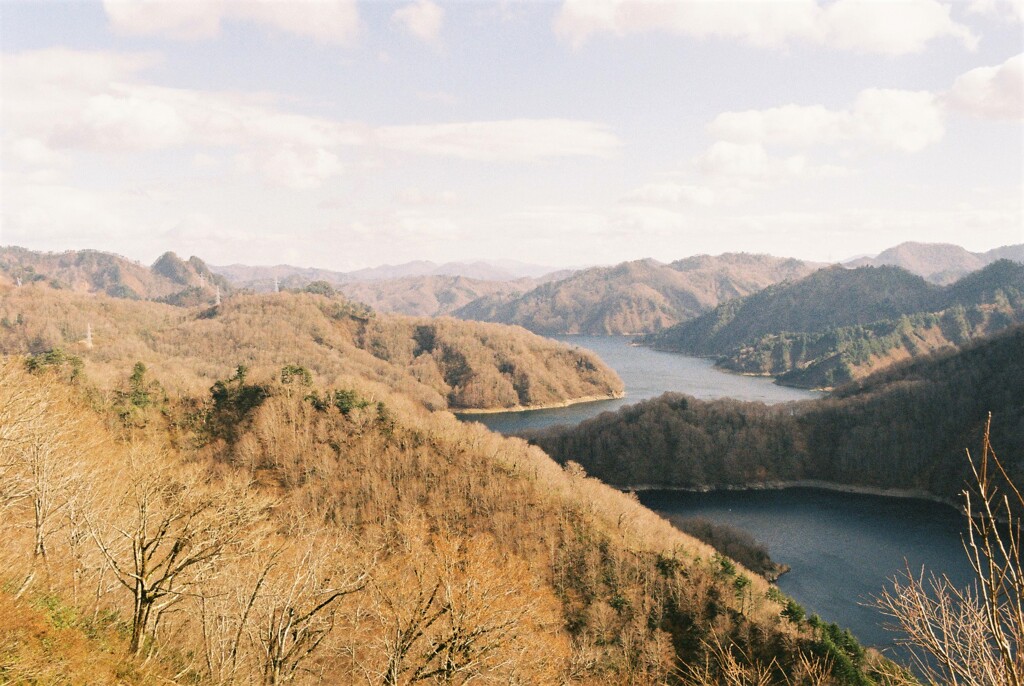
334	421
493	343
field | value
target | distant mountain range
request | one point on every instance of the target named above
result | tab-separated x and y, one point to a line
635	297
840	324
262	278
940	263
638	297
430	295
169	279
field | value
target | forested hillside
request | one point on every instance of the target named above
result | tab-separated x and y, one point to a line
838	324
902	428
635	297
170	279
442	363
168	517
939	263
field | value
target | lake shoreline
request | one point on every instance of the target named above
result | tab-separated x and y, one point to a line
824	390
906	493
545	406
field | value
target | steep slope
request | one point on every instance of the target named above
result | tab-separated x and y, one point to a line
828	298
442	363
903	428
635	297
333	536
170	278
940	263
838	325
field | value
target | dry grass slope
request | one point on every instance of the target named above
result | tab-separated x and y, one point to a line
293	527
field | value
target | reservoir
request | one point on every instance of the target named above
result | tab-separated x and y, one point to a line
646	374
843	548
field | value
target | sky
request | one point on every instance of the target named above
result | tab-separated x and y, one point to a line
342	135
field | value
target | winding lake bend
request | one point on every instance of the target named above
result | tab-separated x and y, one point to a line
646	374
842	547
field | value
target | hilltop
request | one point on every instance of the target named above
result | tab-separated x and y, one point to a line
306	515
169	279
423	289
635	297
441	363
841	324
903	428
940	263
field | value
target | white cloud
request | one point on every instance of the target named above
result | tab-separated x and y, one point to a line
295	167
902	120
858	25
890	28
993	92
423	226
55	214
100	103
1008	9
422	19
125	119
33	153
514	140
326	21
671	193
630	221
415	196
745	165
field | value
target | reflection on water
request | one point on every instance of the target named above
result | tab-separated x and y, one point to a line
842	547
646	373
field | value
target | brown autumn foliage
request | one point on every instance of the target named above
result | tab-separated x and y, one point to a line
635	297
169	278
260	527
437	362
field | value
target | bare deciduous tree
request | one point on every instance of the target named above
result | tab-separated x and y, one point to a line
458	614
175	530
295	603
971	636
20	411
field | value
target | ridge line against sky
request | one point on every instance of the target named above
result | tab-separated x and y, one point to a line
346	135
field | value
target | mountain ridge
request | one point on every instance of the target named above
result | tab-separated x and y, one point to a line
636	296
840	324
941	263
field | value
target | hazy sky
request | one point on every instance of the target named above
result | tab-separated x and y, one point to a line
343	135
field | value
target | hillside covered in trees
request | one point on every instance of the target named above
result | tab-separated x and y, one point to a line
940	263
636	297
839	324
442	363
304	517
169	279
903	428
